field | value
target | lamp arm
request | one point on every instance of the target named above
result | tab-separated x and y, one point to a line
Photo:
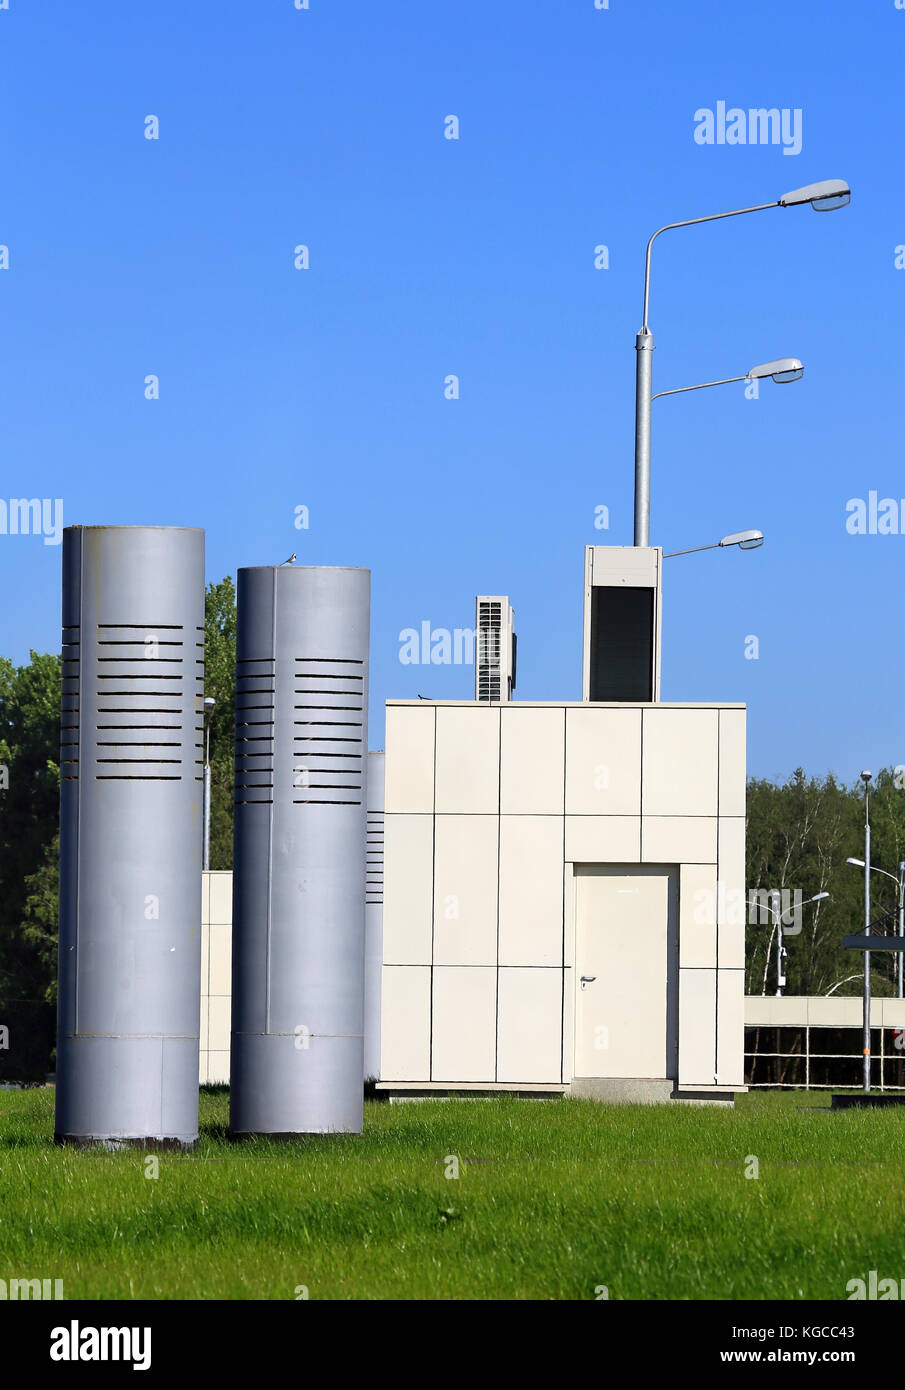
691	222
678	390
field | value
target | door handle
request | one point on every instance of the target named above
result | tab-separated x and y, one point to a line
586	980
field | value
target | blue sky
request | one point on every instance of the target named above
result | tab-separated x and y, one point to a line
324	387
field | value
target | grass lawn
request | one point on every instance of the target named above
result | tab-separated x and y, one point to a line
553	1199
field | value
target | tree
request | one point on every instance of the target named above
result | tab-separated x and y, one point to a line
220	682
29	811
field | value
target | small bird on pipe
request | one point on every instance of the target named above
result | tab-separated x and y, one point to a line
290	561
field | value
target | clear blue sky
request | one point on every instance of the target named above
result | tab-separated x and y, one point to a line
428	257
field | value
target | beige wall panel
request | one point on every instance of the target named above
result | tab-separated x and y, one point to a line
405	1023
679	775
468	760
532	773
603	839
730	1028
464	1024
678	839
732	762
408	889
530	1025
465	890
697	915
697	1027
219	1023
221	897
732	900
531	890
603	761
221	964
409	760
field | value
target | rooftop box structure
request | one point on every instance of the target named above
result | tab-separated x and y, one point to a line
622	591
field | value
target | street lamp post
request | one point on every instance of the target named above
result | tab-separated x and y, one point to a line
209	703
899	880
832	193
865	778
781	951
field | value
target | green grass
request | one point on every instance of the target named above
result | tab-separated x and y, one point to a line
554	1199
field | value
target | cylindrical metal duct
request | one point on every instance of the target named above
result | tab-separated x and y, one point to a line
373	916
130	835
299	850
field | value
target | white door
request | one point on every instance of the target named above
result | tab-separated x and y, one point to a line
625	971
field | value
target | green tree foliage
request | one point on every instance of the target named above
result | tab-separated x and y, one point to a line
799	836
220	682
29	810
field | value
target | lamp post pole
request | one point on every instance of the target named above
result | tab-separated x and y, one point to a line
831	193
866	776
780	950
644	376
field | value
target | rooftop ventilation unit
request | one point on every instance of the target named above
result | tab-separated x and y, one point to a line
621	624
495	646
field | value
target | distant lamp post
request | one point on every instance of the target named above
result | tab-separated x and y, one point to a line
209	703
781	951
865	864
823	197
745	540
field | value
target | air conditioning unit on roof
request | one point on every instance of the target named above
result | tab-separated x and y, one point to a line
495	648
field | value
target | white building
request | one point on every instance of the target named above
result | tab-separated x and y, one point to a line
564	898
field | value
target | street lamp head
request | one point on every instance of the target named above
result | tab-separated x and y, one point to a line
818	897
858	863
866	776
745	540
782	370
823	197
209	703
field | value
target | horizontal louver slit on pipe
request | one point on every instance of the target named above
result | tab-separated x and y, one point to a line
69	707
339	688
139	686
254	764
374	836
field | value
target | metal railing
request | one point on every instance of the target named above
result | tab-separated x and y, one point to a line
881	1056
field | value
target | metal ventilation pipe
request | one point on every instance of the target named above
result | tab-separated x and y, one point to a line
130	835
299	857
